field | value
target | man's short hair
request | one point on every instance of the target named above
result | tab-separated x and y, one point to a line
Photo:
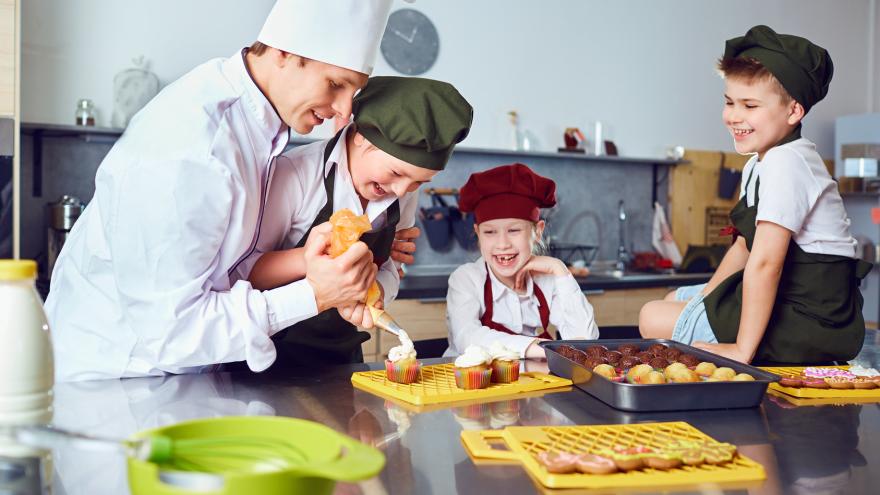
258	48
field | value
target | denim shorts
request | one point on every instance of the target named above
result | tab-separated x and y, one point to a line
693	324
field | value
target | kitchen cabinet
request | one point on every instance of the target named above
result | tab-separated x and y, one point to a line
693	189
621	307
426	319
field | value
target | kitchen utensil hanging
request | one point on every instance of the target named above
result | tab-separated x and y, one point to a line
437	223
728	179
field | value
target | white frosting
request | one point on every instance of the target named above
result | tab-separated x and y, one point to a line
501	352
405	350
863	371
474	355
399	417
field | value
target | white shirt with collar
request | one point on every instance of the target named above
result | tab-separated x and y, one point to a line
143	285
297	194
570	311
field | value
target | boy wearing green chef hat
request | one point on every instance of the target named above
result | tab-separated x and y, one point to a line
787	291
402	135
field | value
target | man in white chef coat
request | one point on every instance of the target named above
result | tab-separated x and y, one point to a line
145	284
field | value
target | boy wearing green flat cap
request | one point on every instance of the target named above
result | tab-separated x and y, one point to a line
787	291
403	133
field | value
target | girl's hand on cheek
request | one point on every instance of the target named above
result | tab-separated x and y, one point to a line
540	265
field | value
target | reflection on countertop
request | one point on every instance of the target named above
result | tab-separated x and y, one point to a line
807	449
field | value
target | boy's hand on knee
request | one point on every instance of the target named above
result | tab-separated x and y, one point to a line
730	351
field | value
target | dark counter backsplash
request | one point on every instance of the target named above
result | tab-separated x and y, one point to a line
587	211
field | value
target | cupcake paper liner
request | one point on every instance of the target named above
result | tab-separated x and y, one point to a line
472	379
505	371
405	374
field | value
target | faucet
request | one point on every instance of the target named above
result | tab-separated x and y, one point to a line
622	254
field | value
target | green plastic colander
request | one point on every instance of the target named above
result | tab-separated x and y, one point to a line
252	454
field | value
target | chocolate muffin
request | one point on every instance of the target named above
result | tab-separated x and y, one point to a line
628	349
627	362
645	357
672	354
613	357
689	360
593	362
657	349
567	351
659	363
596	350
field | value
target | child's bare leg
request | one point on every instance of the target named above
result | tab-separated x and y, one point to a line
657	318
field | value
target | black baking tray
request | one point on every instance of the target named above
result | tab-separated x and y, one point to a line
660	397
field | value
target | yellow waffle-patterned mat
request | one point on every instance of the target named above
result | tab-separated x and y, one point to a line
437	385
820	393
526	442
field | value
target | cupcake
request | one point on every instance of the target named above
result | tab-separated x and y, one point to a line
505	363
472	369
401	365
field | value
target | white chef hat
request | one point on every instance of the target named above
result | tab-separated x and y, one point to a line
345	33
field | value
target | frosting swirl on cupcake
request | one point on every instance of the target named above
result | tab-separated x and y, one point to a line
474	355
404	351
501	352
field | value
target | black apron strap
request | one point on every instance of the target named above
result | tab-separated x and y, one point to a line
327	338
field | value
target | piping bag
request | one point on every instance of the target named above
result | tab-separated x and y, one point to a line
347	229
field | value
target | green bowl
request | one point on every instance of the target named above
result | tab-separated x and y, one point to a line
253	454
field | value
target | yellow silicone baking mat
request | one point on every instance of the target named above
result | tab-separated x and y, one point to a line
423	408
828	401
819	393
526	442
437	385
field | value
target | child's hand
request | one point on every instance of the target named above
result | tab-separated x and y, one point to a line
541	265
404	245
534	351
730	351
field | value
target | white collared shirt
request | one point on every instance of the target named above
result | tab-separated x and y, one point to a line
570	311
297	194
143	285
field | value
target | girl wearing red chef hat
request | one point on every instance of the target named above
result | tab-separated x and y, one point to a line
511	294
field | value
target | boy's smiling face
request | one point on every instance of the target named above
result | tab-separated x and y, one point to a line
757	115
377	175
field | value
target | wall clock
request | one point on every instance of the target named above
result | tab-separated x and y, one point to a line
410	44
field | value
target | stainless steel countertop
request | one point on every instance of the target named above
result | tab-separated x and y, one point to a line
824	449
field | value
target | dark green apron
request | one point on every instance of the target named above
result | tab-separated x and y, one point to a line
327	338
817	316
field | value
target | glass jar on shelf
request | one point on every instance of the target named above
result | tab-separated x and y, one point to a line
85	112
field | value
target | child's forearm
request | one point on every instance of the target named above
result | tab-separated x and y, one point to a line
760	284
278	268
734	260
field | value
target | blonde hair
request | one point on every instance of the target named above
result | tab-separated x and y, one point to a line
538	246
